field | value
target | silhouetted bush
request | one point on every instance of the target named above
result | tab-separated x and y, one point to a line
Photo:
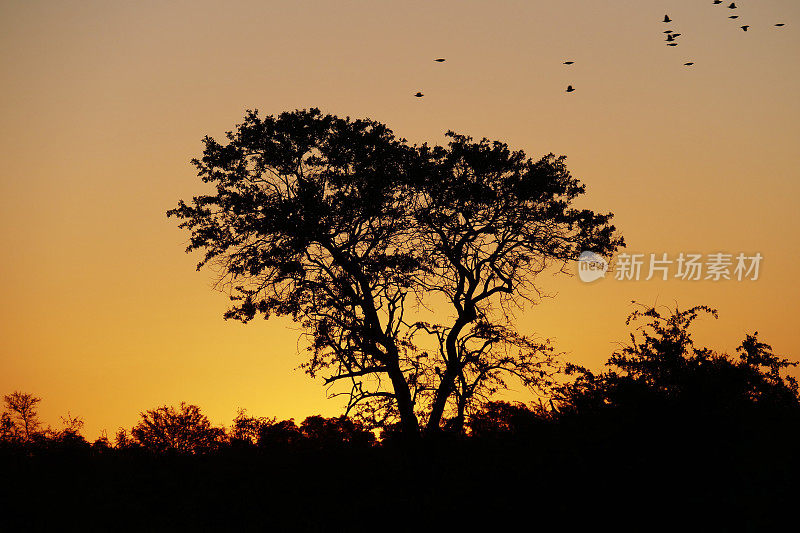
662	371
283	434
315	432
180	430
503	419
321	433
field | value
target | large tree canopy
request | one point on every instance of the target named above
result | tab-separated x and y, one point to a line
354	233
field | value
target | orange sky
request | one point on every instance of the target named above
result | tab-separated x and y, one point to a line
104	103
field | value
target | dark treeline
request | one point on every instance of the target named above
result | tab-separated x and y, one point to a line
670	434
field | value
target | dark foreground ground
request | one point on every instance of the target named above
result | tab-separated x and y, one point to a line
590	475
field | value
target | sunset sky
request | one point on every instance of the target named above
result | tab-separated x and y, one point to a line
104	104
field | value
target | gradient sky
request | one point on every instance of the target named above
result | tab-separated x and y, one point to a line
104	103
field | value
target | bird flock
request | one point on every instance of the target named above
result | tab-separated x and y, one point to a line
672	35
671	39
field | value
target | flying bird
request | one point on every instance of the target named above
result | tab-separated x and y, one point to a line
667	31
672	44
419	94
689	64
439	60
745	27
734	17
569	88
677	34
780	24
667	19
568	62
717	1
732	6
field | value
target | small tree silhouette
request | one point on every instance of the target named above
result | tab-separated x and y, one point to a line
246	429
321	432
23	418
168	429
281	435
505	419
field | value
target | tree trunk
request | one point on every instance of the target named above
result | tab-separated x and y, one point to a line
446	387
408	419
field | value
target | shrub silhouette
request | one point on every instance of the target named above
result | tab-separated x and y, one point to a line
181	430
662	370
281	435
315	432
503	419
246	429
321	432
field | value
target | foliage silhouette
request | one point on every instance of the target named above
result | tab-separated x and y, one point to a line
507	420
246	429
671	430
315	432
21	421
347	229
662	369
182	430
321	432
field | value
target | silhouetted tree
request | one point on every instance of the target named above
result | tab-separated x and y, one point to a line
69	437
767	385
169	429
323	432
23	417
246	429
661	368
282	435
345	228
505	419
102	445
72	424
123	440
